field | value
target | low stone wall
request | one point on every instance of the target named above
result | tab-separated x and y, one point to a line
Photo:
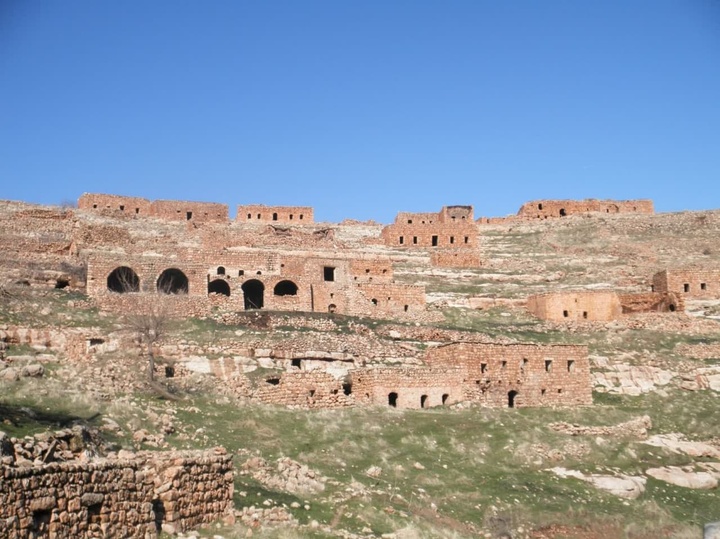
456	258
117	498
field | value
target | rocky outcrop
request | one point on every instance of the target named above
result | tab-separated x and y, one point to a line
623	486
634	428
683	478
677	444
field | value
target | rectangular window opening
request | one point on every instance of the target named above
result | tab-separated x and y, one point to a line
401	240
548	365
467	239
686	287
483	367
571	365
585	315
328	273
188	215
452	239
566	314
434	241
703	286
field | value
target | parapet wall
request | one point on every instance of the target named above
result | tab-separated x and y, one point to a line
116	498
173	210
291	215
456	258
594	306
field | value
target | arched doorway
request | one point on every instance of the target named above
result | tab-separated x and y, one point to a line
172	281
219	286
253	290
423	401
285	288
511	398
123	279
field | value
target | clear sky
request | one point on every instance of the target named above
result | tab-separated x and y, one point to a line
362	108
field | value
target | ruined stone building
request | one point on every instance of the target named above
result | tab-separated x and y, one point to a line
549	209
291	215
694	283
174	210
599	305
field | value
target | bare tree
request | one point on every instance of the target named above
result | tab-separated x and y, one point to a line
150	323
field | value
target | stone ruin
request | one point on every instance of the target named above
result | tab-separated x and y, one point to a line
56	485
551	209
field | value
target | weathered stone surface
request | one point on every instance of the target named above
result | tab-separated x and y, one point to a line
678	476
675	443
623	486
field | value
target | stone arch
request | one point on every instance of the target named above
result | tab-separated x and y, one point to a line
221	270
219	286
172	281
285	288
332	308
512	396
563	213
254	291
123	279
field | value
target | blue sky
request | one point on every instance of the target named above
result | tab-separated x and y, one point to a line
362	109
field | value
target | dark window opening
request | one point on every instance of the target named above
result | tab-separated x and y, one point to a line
483	367
672	308
41	522
221	270
274	381
258	216
169	371
511	398
548	365
406	307
414	240
285	288
332	308
291	216
249	215
311	393
409	221
563	213
524	364
275	217
137	210
253	291
686	287
94	206
258	272
95	341
703	286
434	241
297	363
566	314
241	273
445	398
503	364
159	509
329	273
62	283
367	271
652	288
122	208
559	391
539	206
172	281
452	239
423	401
401	240
374	301
188	215
219	286
123	279
542	392
585	315
467	239
571	365
347	388
392	399
301	216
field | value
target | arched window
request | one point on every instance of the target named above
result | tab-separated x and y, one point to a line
221	270
172	281
123	279
285	288
254	291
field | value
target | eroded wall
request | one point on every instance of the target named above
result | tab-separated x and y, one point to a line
694	283
289	215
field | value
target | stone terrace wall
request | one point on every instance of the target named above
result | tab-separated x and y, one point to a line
452	227
558	306
116	498
543	209
456	258
115	203
408	387
519	374
695	283
292	215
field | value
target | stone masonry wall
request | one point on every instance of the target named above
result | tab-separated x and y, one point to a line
304	389
408	387
558	306
456	258
116	498
651	302
694	283
115	203
453	227
543	209
519	375
174	210
291	215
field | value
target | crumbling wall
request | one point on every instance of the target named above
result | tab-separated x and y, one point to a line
544	209
201	212
590	305
651	302
133	497
694	283
518	375
304	389
259	213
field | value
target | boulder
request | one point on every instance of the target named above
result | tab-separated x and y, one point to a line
678	476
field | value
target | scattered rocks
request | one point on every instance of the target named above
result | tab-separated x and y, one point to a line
623	486
635	428
287	475
677	444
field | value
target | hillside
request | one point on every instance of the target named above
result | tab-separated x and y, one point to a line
610	469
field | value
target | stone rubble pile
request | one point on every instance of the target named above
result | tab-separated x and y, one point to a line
77	443
634	428
285	475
